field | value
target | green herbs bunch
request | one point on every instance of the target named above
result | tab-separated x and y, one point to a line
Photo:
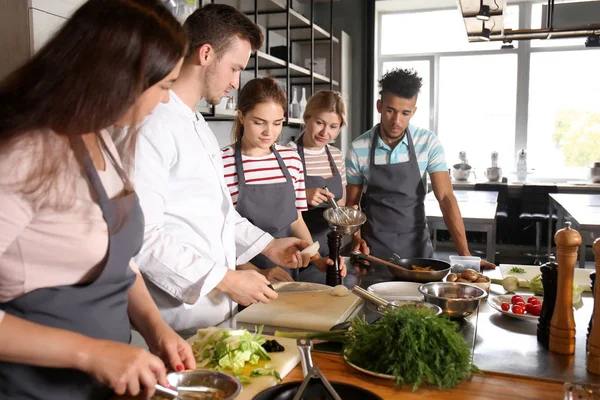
413	345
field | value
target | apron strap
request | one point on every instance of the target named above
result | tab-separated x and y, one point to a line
282	165
373	145
92	173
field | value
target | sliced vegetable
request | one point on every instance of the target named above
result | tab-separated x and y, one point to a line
265	372
229	350
516	270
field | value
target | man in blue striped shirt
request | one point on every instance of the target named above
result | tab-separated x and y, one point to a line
388	163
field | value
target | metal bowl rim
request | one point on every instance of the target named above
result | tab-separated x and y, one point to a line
224	375
480	297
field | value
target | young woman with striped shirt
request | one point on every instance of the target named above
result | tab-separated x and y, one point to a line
266	180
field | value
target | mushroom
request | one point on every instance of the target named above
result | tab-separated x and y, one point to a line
470	275
452	278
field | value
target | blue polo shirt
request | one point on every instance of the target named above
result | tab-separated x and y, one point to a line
429	151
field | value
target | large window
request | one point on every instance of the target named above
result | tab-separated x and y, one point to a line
563	135
477	107
541	95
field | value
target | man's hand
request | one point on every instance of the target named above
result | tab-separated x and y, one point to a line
487	265
285	252
316	196
276	274
322	263
359	244
246	287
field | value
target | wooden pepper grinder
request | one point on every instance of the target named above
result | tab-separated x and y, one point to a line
587	338
593	353
562	327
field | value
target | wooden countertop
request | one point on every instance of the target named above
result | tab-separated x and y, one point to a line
491	386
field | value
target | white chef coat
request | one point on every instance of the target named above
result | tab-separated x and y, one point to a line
192	232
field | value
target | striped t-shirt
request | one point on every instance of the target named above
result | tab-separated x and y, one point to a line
429	151
265	170
317	162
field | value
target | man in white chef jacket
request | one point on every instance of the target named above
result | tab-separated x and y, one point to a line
193	236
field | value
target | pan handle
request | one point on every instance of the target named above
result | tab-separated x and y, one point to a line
379	261
371	297
304	346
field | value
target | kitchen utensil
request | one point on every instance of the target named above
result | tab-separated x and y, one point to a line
402	269
312	311
383	305
493	174
461	172
339	216
595	172
457	300
190	393
315	386
496	303
201	384
355	219
283	362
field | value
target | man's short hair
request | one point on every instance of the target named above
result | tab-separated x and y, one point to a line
403	83
217	25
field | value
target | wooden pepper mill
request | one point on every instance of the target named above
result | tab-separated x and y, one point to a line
593	353
562	327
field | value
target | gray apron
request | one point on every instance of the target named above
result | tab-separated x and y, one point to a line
271	207
313	217
395	207
97	309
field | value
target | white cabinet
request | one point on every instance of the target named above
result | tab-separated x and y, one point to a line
26	25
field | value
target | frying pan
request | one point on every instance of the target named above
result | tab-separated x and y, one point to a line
401	269
316	391
315	386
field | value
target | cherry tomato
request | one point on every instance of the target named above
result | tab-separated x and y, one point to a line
519	303
505	306
536	310
533	300
515	298
518	309
529	307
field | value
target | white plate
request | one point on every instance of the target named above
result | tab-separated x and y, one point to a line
496	302
366	371
397	290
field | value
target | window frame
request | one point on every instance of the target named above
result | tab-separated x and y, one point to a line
524	50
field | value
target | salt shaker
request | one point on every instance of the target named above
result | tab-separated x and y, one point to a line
562	326
593	351
549	281
522	165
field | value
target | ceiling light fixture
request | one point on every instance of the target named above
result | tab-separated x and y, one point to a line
484	12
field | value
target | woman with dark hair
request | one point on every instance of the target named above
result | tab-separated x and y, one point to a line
70	222
266	180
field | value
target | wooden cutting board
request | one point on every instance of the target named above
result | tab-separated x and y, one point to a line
306	311
581	276
283	362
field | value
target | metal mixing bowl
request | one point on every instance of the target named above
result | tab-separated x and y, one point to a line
227	384
356	218
457	300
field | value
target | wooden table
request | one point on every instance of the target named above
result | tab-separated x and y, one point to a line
583	210
489	387
478	211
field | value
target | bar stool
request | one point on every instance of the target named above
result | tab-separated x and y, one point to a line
534	209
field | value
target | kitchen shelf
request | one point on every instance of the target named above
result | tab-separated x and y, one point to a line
220	113
272	16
